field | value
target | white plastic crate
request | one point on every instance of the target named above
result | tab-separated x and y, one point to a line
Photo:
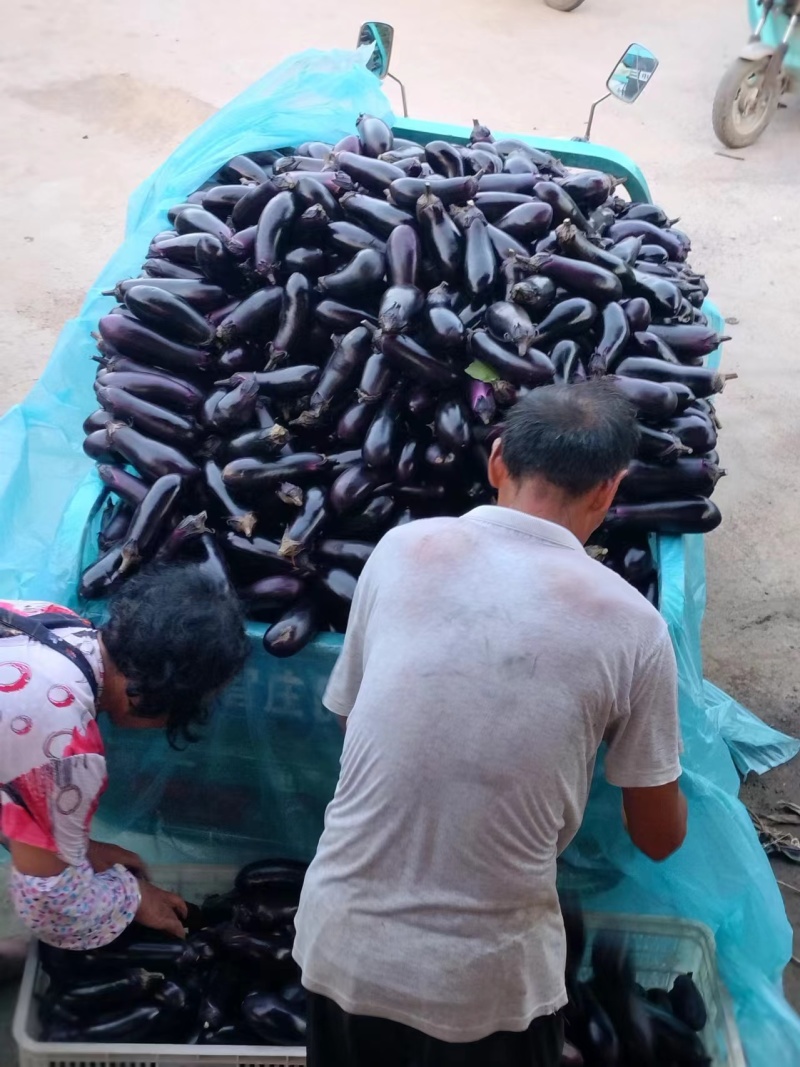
663	947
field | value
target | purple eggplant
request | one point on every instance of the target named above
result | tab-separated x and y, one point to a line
152	459
199	295
237	407
165	390
339	373
251	473
400	305
578	277
703	381
272	594
264	442
251	318
373	174
638	228
445	159
694	430
480	263
149	521
284	382
482	401
242	245
337	588
298	625
382	442
569	318
166	270
374	136
353	488
126	486
659	446
220	200
612	342
408	461
169	315
311	226
690	475
505	246
510	324
131	338
495	206
307	525
98	420
340	318
294	321
440	235
566	357
310	193
689	341
198	220
654	401
508	183
452	425
238	518
355	421
278	214
376	378
527	222
187	531
102	576
309	261
247	210
528	370
180	249
536	294
378	216
338	462
647	343
638	314
115	522
402	255
149	418
575	244
261	552
349	238
589	188
405	192
444	328
363	274
208	558
409	357
684	515
352	555
243	168
563	205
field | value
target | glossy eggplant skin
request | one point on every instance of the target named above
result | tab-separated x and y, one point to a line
580	278
250	473
695	431
307	525
519	370
296	627
409	357
149	520
405	192
440	235
403	254
131	338
400	305
611	346
168	314
527	222
177	394
378	216
689	514
294	321
126	485
654	401
382	442
152	459
480	263
339	373
701	380
158	422
278	214
690	475
252	316
564	207
363	274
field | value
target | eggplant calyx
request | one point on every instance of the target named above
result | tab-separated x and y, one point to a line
243	524
290	494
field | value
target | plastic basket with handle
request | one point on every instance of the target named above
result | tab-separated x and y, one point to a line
663	948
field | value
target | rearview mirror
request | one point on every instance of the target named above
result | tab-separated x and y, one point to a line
629	78
381	35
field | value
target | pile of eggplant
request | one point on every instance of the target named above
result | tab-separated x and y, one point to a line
324	344
231	982
613	1021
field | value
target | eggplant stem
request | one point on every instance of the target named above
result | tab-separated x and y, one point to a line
729	377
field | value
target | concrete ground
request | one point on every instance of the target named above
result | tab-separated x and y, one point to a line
95	96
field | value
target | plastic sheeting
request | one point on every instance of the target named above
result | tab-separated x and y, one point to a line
259	782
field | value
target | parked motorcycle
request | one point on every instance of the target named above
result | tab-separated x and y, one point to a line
767	66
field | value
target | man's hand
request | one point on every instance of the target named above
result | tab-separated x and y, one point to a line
161	910
103	856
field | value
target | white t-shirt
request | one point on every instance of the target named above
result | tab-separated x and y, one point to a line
486	659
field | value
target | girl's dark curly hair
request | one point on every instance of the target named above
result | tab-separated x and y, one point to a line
178	638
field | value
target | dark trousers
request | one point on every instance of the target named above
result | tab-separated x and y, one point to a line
336	1039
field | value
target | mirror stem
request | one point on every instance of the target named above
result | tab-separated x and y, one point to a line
588	133
402	93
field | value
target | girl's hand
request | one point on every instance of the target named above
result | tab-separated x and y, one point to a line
103	856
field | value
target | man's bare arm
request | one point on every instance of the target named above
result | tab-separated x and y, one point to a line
655	818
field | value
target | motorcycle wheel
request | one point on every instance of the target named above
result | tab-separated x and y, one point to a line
744	102
564	5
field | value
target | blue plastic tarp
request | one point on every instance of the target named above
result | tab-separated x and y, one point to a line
271	734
